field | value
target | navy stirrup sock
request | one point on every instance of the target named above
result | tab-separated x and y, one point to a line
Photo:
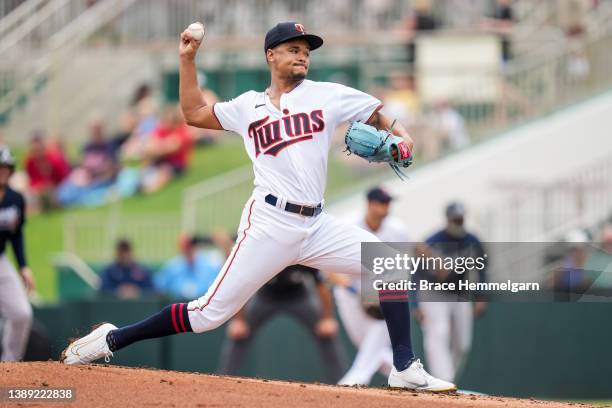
397	316
170	320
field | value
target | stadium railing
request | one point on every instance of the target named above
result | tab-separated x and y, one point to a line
34	59
92	237
44	42
15	12
530	211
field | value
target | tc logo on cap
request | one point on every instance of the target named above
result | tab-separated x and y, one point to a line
300	28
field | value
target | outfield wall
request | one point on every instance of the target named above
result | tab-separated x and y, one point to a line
554	350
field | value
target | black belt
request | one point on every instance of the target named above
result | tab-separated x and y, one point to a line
304	210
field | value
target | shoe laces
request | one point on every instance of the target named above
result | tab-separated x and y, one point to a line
419	366
107	356
417	363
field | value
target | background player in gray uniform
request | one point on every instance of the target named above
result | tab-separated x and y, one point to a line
14	305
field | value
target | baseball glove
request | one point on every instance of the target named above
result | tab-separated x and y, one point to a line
378	146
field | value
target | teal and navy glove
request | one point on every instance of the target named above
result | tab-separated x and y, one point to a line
378	146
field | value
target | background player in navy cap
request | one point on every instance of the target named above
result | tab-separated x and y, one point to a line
446	319
14	305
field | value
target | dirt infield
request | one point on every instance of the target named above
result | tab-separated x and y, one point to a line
114	386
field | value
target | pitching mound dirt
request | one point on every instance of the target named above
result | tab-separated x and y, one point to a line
114	386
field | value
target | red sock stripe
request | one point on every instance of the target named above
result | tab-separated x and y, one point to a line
231	261
181	307
173	313
393	297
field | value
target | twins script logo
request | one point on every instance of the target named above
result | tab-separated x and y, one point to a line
299	127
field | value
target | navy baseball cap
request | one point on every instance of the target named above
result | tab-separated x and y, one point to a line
283	32
455	210
379	194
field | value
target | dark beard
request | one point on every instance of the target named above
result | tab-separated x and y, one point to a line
296	77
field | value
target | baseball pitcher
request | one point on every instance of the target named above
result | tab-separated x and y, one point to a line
287	131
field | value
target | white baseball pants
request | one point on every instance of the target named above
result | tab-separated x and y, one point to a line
447	336
270	239
369	335
16	310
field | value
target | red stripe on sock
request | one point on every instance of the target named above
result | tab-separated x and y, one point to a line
173	313
231	261
181	307
393	297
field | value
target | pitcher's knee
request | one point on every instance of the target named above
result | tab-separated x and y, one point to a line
206	318
201	323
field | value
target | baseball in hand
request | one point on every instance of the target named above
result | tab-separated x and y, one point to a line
196	30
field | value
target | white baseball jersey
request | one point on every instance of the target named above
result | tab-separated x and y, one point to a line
289	147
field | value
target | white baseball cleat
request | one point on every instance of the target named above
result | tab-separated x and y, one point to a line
416	378
89	348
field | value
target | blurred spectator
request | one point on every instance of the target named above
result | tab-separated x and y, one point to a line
145	108
419	21
168	151
501	23
446	320
96	172
445	130
401	99
464	14
127	125
125	277
571	18
422	18
142	93
572	275
451	124
189	274
45	171
57	149
300	292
